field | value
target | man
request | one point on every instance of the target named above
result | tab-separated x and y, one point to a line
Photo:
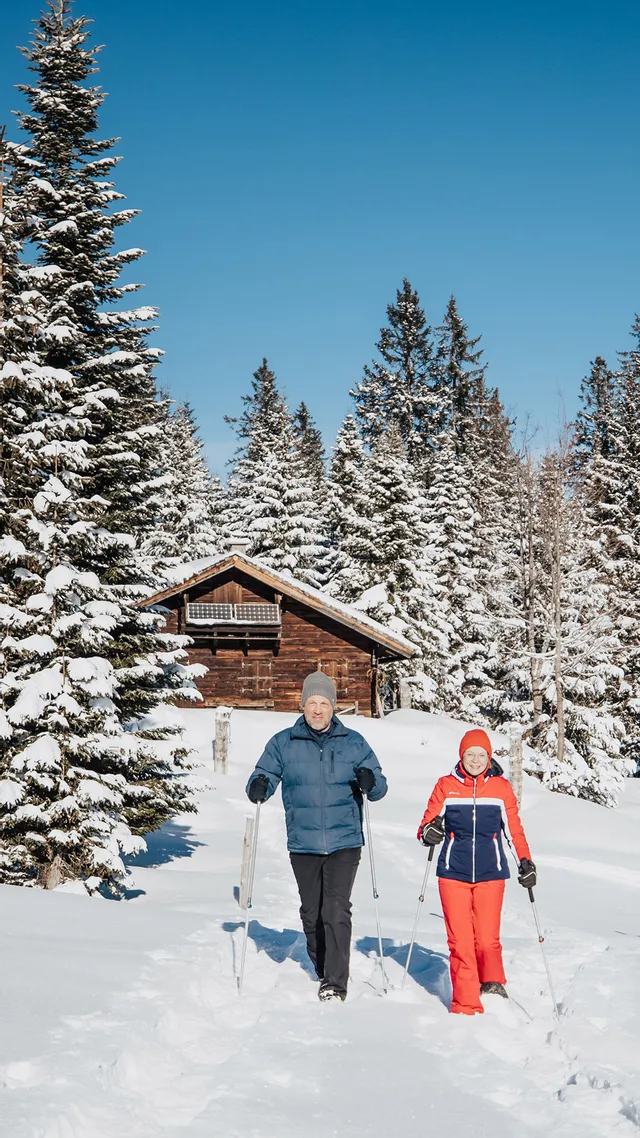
324	769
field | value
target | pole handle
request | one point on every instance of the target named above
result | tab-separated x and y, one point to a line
533	901
429	859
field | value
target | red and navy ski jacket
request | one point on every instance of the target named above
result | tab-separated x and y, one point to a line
476	813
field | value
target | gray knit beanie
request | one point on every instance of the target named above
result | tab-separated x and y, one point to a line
319	684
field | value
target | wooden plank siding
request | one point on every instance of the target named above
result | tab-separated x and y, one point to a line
249	671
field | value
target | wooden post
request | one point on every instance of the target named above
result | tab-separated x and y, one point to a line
405	693
243	896
515	763
223	736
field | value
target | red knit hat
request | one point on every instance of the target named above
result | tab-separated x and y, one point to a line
476	738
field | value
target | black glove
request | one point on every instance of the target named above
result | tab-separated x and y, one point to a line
527	873
258	788
432	833
365	779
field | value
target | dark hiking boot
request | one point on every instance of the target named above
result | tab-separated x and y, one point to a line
493	988
330	992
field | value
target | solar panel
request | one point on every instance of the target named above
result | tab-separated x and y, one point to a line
258	614
208	613
212	613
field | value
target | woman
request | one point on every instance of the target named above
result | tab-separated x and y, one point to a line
478	805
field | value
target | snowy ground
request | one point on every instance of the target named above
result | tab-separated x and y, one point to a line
121	1020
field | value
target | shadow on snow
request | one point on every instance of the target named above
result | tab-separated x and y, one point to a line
279	945
167	844
428	969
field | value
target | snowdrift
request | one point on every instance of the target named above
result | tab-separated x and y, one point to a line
122	1018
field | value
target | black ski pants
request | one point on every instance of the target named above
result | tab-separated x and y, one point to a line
325	882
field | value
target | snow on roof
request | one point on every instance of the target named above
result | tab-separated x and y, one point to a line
177	575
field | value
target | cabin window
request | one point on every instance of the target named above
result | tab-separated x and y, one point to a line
256	678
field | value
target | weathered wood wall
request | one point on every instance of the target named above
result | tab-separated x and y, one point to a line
253	675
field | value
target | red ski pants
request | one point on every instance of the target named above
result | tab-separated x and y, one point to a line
472	916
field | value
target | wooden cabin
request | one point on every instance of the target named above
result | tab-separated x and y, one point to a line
260	633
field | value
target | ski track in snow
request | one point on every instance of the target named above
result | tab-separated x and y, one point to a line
179	1053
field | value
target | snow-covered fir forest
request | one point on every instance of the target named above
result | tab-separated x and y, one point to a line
512	568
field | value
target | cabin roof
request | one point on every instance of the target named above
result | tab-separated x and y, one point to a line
180	578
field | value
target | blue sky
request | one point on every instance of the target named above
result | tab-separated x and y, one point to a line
293	161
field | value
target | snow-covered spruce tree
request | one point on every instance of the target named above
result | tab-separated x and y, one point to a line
307	534
580	732
452	522
519	682
601	476
460	387
78	782
627	566
351	531
396	586
396	390
258	475
63	174
472	519
309	447
82	770
272	499
496	471
190	520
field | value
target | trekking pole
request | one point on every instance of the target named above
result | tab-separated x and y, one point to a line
252	869
375	889
538	929
415	923
544	953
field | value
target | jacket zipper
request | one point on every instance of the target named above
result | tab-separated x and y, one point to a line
473	838
321	743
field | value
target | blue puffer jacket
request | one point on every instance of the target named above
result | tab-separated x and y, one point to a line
321	800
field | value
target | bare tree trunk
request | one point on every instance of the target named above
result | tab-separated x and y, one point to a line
557	509
547	527
557	621
528	569
536	665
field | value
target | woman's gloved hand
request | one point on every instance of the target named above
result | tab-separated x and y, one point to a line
432	833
